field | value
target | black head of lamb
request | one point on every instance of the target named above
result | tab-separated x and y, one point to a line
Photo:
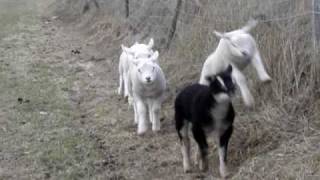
222	82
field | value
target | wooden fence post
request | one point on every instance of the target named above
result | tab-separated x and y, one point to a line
316	22
127	8
174	22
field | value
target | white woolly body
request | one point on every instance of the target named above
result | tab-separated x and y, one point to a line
239	49
147	96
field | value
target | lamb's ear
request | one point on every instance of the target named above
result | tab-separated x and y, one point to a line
250	25
126	50
155	56
221	35
150	44
229	69
135	62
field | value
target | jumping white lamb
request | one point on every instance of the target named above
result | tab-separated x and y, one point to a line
239	49
147	86
129	54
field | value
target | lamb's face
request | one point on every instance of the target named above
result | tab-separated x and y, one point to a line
222	83
240	45
147	72
225	78
147	68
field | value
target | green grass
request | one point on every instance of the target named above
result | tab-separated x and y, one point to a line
40	135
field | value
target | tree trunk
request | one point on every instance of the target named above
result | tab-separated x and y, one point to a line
316	21
174	23
127	8
96	4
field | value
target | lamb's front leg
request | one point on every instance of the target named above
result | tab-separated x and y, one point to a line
120	88
136	114
126	84
130	93
242	84
142	114
150	104
258	65
155	116
223	148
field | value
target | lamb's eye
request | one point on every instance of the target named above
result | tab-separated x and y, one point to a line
149	56
139	70
153	68
234	45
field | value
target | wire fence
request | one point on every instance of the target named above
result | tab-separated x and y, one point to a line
235	12
199	18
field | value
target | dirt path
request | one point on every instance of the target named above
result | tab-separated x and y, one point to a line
40	134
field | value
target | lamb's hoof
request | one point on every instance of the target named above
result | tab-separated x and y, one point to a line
224	176
130	101
203	166
249	103
187	170
267	81
155	129
224	173
119	92
142	131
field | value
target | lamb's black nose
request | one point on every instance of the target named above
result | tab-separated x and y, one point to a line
148	79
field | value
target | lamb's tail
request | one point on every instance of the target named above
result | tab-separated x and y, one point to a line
250	25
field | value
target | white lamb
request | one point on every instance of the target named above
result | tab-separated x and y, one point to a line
129	54
147	86
239	49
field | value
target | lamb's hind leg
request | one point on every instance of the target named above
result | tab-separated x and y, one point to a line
258	65
182	128
223	148
200	137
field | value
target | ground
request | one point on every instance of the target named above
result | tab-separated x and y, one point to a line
60	116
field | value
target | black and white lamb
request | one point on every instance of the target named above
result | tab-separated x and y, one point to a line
208	109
